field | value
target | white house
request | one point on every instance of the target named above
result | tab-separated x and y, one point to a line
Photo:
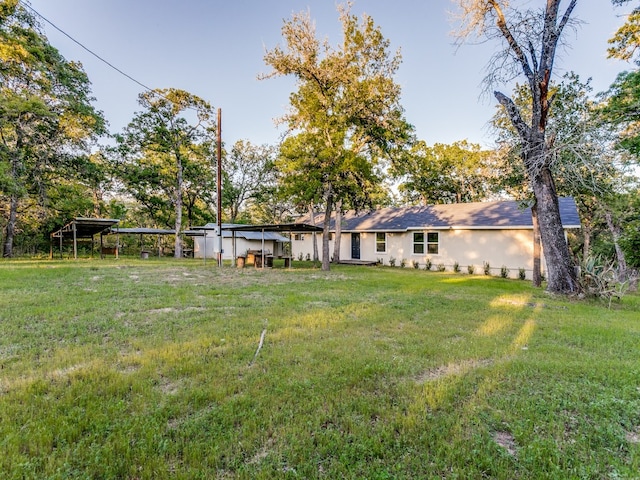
498	233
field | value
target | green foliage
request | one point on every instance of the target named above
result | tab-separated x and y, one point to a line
164	158
363	373
392	262
626	41
403	263
440	267
346	114
522	273
504	272
47	126
428	264
600	279
471	269
445	173
416	264
456	267
249	181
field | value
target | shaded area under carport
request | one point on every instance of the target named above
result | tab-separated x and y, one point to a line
81	228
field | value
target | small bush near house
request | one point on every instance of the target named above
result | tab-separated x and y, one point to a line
416	264
428	264
403	263
522	274
392	262
456	267
471	269
441	267
487	268
504	272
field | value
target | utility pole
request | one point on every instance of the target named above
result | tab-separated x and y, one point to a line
219	186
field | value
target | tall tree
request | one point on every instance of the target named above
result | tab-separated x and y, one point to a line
46	117
247	173
530	38
584	163
165	151
347	106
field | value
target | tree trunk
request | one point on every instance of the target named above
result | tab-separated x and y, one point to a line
560	272
314	237
338	232
537	270
326	261
178	206
586	239
10	228
615	234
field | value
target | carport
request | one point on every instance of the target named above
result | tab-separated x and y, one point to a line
282	228
81	228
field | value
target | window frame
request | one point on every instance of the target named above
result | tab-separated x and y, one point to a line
418	246
432	246
383	242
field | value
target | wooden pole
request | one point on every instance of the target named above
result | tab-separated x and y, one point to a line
219	186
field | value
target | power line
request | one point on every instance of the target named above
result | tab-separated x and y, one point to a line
25	5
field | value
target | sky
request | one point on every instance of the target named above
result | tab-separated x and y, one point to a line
215	49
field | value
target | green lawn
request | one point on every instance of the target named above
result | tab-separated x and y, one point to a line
134	369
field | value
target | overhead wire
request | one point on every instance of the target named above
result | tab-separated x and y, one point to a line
26	5
106	62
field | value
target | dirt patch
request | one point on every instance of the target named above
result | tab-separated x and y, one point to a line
506	441
633	437
452	369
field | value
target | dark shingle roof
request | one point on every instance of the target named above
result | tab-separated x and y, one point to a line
499	214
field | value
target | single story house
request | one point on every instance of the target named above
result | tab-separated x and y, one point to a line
498	233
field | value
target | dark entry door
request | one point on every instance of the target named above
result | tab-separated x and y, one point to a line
355	246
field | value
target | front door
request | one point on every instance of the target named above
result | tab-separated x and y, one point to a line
355	246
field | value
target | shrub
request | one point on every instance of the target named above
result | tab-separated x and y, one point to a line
504	272
487	268
456	267
381	261
441	267
300	256
599	278
403	263
522	274
471	269
416	264
392	261
428	264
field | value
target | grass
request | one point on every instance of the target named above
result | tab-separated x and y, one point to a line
143	369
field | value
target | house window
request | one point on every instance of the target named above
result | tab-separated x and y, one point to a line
418	243
381	242
298	237
432	243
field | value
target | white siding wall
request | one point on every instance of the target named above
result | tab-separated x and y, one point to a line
242	245
510	248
